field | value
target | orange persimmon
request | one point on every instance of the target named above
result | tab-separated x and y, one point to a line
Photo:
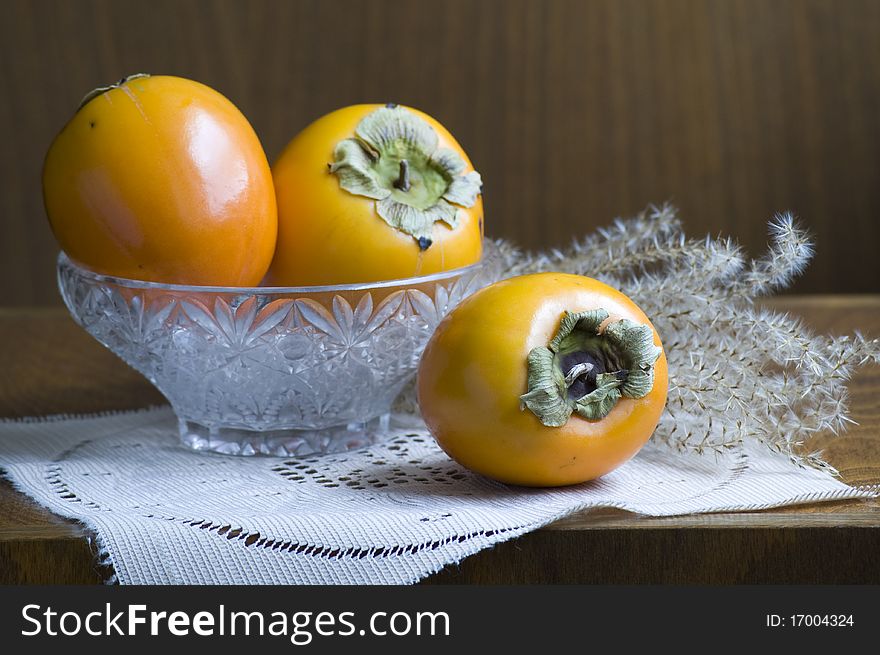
163	179
374	192
543	380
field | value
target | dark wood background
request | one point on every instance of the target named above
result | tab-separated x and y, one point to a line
574	111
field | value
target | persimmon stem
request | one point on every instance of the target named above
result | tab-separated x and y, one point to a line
402	182
576	371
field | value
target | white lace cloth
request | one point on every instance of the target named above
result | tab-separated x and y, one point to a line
392	513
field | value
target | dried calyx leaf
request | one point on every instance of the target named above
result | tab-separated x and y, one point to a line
94	93
586	369
394	159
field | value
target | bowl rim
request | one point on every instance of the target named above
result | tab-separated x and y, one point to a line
64	260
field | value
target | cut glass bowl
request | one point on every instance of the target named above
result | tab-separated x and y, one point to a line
285	371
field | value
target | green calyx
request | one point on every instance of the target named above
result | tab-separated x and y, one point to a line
586	369
394	159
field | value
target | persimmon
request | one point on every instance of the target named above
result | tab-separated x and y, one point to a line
373	192
163	179
543	380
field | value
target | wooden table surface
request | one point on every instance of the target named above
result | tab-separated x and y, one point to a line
51	366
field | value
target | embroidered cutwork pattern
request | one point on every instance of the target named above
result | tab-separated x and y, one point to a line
391	513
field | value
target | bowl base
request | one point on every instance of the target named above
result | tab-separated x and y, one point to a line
283	443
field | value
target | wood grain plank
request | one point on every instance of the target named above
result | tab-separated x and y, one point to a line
670	556
575	111
48	561
54	367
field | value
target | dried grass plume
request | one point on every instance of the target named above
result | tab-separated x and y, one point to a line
736	371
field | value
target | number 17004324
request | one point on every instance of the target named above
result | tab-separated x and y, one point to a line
810	621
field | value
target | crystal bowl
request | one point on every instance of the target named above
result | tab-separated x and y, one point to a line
270	370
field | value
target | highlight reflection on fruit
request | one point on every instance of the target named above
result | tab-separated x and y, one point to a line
163	179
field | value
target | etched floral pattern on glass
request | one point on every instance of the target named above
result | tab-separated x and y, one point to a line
279	369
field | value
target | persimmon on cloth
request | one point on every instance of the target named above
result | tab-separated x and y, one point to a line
547	379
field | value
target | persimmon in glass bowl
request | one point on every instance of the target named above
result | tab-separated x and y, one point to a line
284	371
